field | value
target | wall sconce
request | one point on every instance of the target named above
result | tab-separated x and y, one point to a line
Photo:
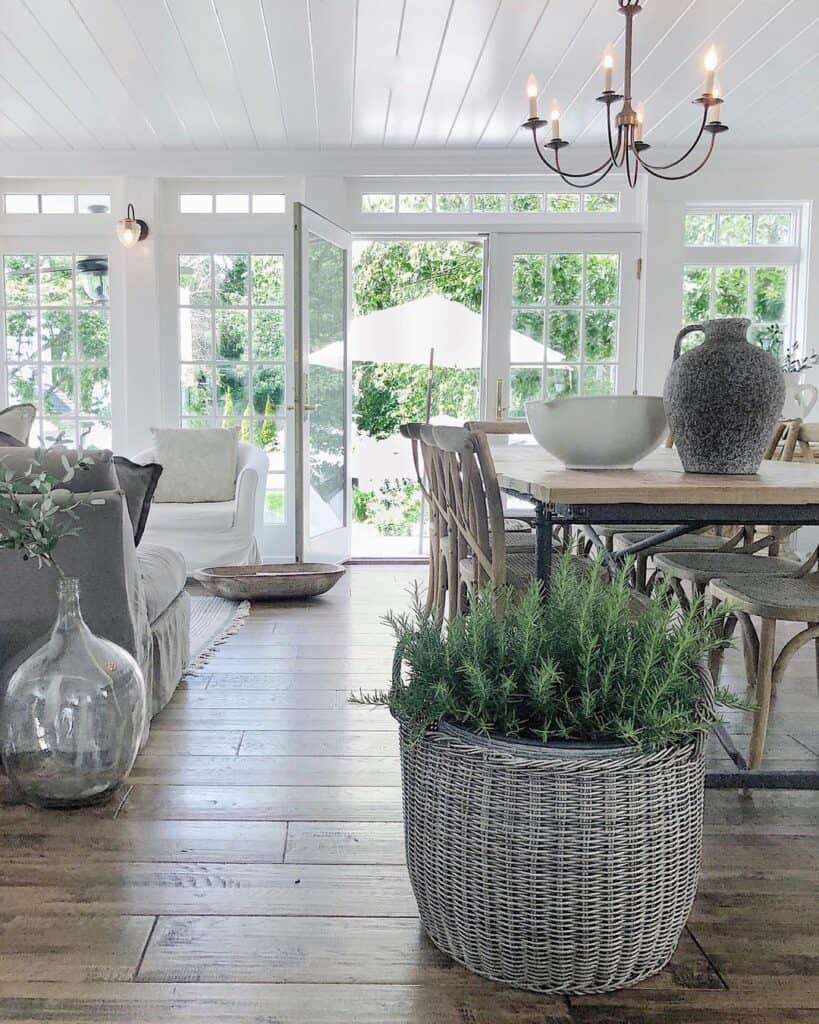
130	229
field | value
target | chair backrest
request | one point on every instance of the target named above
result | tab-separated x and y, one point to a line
782	445
474	500
412	431
498	426
807	438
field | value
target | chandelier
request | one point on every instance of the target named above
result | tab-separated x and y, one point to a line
625	134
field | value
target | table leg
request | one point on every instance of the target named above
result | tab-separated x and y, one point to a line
543	546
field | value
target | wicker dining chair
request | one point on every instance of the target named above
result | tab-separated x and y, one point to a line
793	598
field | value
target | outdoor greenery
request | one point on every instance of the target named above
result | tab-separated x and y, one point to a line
393	509
578	666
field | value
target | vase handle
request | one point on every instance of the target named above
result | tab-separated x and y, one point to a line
688	329
808	404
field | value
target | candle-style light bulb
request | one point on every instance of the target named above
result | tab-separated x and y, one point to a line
532	89
554	117
608	70
638	128
711	61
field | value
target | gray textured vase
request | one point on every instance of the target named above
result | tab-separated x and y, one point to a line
722	399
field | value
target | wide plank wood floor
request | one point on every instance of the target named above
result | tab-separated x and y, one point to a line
251	869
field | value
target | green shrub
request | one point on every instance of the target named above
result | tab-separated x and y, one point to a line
577	666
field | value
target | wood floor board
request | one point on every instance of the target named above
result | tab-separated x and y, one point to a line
264	803
280	890
763	812
211	743
444	1000
266	770
300	682
315	743
266	700
338	842
303	666
359	719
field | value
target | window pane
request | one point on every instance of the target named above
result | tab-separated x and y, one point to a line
195	204
529	280
696	294
268	203
378	202
700	229
601	202
602	279
95	391
564	335
452	202
562	381
23	382
95	433
93	334
735	228
601	335
275	508
21	335
57	383
526	202
415	203
232	394
197	391
268	390
57	204
525	384
731	293
57	335
563	203
599	380
268	334
231	334
566	279
230	280
489	202
269	433
195	335
529	322
232	204
93	204
771	337
195	288
770	292
18	203
268	280
57	286
773	229
20	280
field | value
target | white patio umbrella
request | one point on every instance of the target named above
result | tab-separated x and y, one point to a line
405	334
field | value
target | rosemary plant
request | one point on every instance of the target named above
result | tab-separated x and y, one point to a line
578	666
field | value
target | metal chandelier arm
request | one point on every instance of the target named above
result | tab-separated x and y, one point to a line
585	184
688	174
686	154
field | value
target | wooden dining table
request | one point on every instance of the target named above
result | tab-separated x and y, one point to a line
658	494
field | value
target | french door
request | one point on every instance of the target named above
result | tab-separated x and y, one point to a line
322	388
563	320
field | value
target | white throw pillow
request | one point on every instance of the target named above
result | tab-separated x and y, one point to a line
17	420
197	465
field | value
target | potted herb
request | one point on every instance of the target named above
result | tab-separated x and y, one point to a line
553	777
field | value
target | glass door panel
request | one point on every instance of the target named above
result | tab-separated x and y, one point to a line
323	395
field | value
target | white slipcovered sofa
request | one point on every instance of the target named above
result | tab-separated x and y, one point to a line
214	532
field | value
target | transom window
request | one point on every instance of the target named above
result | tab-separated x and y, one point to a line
224	202
57	344
490	202
33	202
740	227
568	304
232	352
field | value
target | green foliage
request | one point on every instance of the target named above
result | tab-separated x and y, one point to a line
578	666
268	433
36	511
362	505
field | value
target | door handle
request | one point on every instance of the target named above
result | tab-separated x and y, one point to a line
500	408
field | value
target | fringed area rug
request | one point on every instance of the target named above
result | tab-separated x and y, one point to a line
213	620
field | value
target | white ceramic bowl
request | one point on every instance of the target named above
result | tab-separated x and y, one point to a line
598	431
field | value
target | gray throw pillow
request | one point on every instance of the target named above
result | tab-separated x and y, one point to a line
198	465
99	476
17	420
138	483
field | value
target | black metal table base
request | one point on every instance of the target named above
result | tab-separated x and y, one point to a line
688	518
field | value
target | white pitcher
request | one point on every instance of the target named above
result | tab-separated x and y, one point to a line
800	397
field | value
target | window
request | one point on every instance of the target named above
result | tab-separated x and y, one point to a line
490	202
232	353
229	202
719	281
568	303
18	202
57	344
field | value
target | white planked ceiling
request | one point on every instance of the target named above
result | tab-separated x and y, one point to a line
270	74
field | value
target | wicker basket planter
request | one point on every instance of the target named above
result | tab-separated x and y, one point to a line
556	872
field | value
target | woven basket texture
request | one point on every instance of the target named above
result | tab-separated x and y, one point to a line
555	875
